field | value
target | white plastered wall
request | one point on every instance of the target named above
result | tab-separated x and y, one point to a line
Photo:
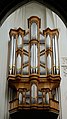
19	19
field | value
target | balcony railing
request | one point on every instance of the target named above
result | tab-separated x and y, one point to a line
13	104
52	106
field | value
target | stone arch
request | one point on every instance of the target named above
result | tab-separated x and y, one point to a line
10	7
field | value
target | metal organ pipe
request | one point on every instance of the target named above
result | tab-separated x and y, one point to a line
56	49
34	93
49	60
54	56
19	41
14	54
33	33
57	94
48	41
33	30
11	55
47	97
49	63
34	58
20	98
31	58
19	64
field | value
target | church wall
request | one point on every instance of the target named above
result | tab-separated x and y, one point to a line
19	19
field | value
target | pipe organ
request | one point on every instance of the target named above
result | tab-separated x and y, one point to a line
34	72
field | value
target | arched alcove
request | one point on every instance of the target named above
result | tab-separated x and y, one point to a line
59	7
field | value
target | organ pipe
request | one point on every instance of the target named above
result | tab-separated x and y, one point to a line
31	58
49	63
57	61
19	63
14	55
20	98
57	94
34	58
19	41
48	41
34	93
54	57
47	97
49	60
11	55
33	30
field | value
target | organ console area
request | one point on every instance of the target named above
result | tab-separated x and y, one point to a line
34	69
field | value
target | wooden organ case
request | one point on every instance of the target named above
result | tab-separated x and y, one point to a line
34	71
